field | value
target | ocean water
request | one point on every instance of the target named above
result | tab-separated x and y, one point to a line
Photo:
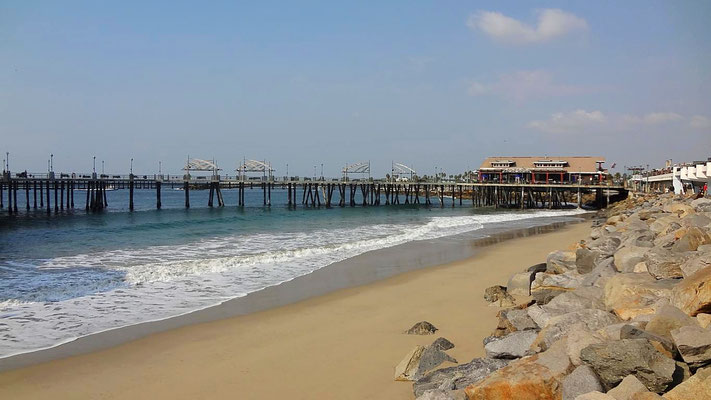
77	273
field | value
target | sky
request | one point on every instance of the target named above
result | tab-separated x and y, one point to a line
438	84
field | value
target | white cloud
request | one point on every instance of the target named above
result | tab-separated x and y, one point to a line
523	85
569	122
552	23
655	118
700	122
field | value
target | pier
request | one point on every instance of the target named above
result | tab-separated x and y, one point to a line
88	191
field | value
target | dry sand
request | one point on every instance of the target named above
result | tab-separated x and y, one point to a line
341	345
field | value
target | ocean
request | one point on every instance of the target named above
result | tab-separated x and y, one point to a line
76	273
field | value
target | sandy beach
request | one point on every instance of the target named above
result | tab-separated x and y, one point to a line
344	344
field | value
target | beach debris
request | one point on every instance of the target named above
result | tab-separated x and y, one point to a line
582	380
442	344
458	377
614	360
419	361
422	328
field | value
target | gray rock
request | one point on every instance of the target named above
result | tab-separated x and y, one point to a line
600	273
559	262
558	326
695	263
518	320
422	328
697	220
639	238
513	345
575	300
586	259
702	204
614	360
543	296
694	345
691	240
631	332
566	281
419	361
667	319
608	245
437	394
664	264
581	380
627	257
458	377
442	344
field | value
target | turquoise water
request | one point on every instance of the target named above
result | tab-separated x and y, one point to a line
75	273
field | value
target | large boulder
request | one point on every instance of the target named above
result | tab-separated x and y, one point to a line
701	205
546	286
628	387
691	240
693	294
536	377
559	262
664	264
698	220
586	259
581	380
419	361
697	386
579	338
695	263
629	295
599	275
667	319
558	326
520	284
614	360
513	320
575	300
662	344
627	257
681	209
662	224
694	344
513	345
459	376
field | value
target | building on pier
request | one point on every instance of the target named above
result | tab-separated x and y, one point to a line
585	170
687	177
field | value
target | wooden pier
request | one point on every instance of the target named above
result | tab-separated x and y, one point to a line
57	193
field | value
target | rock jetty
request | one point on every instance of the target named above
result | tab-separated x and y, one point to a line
625	314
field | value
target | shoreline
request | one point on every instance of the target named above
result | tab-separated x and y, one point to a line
382	264
254	346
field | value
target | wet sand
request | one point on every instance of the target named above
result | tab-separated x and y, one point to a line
343	344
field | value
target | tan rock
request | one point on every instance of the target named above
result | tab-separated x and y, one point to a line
691	240
693	294
629	386
668	318
406	369
633	294
640	267
594	396
646	396
696	387
694	344
704	320
681	209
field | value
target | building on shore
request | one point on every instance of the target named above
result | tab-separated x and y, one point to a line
688	177
585	170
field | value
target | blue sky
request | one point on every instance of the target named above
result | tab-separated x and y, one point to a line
424	83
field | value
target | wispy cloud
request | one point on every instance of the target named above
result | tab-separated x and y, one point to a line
551	24
700	122
525	85
562	122
581	121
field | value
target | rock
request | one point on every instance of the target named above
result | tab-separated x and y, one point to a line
576	300
535	377
559	262
436	394
579	338
520	284
640	267
664	264
629	295
694	345
543	296
691	240
666	319
612	361
662	224
537	268
558	326
514	320
704	248
693	294
514	345
615	219
696	387
613	332
598	276
695	263
704	320
702	204
681	209
628	387
459	376
566	281
607	245
697	220
422	328
585	259
420	360
662	344
646	396
442	344
627	257
582	380
639	238
595	395
497	295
